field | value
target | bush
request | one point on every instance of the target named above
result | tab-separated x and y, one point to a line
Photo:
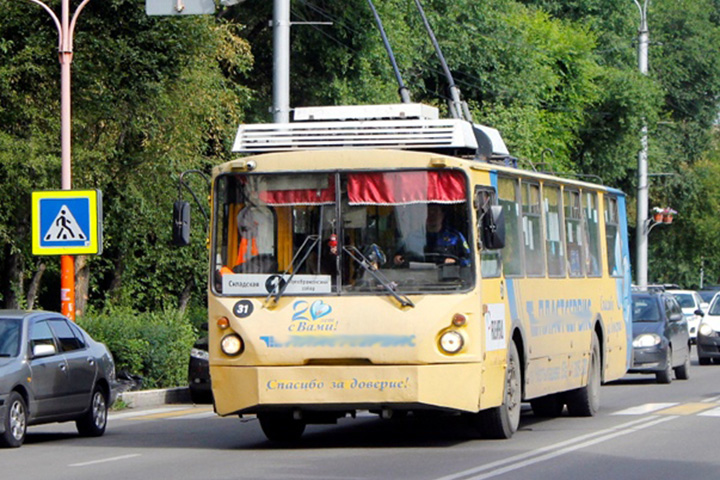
153	345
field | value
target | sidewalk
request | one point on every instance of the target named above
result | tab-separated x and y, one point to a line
154	398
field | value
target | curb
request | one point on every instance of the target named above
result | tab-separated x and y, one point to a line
154	398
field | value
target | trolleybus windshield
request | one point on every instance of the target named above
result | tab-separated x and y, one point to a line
379	232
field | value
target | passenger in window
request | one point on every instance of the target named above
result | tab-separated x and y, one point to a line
443	244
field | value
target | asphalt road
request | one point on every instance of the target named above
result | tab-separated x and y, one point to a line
643	431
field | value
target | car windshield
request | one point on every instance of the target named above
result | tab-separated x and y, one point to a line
370	232
9	337
685	300
714	306
645	309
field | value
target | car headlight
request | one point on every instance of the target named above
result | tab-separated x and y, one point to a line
706	330
232	344
451	342
647	340
199	354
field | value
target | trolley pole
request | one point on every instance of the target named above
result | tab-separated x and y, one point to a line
642	189
65	27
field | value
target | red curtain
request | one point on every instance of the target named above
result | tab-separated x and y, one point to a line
400	188
303	196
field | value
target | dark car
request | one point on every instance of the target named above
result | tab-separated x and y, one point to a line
661	342
51	371
199	373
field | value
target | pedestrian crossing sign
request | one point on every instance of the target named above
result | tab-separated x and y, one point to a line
67	222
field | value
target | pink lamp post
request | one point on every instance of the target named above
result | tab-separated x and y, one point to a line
65	28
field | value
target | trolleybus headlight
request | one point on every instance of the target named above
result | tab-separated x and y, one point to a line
647	340
232	344
451	342
705	330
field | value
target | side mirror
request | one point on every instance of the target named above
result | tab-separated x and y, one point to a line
676	317
43	350
492	229
699	312
181	224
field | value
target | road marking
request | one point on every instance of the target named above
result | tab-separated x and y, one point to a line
646	408
536	456
711	399
715	412
104	460
196	416
174	413
685	409
133	413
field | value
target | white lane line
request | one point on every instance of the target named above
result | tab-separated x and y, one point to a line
104	460
711	399
715	412
646	408
524	459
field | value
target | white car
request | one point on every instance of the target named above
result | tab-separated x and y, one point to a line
708	339
693	307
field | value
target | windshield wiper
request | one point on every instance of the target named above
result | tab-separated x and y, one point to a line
370	267
283	286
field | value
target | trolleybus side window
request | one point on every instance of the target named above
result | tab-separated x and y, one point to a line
612	237
554	247
512	256
532	229
490	260
592	225
573	233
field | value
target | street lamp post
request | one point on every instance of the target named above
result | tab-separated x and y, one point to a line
642	188
65	27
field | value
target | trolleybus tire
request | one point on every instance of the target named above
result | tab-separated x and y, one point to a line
585	401
281	427
502	422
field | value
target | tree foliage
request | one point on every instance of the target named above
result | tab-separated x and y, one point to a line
154	96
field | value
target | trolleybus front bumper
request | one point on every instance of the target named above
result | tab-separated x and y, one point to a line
449	386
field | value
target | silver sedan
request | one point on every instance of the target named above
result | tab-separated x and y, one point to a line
51	371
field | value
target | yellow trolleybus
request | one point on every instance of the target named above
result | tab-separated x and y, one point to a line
382	259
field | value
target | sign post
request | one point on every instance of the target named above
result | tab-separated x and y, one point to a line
65	27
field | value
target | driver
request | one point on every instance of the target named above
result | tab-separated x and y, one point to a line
446	243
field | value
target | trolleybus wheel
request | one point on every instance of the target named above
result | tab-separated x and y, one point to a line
281	426
501	422
585	401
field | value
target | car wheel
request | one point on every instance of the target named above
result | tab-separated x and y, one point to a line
281	427
502	422
585	401
665	376
683	371
93	422
15	422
